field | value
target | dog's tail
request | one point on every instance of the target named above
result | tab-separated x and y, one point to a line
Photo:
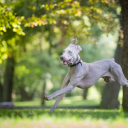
113	59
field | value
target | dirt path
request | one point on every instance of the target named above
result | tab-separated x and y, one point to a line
67	125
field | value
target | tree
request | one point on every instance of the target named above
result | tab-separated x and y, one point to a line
44	89
9	28
111	89
8	79
70	18
124	6
1	90
85	93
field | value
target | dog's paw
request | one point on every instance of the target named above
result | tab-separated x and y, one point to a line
52	110
46	97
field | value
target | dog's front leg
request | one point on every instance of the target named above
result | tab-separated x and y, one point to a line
65	83
71	86
62	91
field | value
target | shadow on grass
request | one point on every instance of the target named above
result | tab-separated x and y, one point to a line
59	113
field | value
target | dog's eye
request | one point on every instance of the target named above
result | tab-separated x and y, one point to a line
70	52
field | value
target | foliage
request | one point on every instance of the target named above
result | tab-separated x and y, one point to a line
9	19
36	32
10	27
67	10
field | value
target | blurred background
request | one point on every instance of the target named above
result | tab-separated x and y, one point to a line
33	35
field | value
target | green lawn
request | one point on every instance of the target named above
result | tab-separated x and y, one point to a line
67	101
76	118
93	99
64	118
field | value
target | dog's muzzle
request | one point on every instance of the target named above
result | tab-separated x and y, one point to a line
65	62
61	57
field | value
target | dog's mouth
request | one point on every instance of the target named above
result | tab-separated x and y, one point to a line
66	62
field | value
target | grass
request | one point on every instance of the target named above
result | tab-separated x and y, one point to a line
67	101
93	99
63	118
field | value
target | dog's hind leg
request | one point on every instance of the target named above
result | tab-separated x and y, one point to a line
118	75
108	77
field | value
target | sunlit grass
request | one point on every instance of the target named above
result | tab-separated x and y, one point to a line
41	118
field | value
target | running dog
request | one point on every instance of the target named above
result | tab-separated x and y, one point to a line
84	75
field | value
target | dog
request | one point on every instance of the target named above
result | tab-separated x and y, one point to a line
84	75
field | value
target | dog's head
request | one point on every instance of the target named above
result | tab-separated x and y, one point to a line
70	54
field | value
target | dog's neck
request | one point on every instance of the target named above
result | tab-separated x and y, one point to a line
76	62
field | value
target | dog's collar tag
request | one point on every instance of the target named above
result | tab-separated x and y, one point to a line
79	61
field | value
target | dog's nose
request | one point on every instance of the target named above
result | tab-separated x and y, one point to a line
61	57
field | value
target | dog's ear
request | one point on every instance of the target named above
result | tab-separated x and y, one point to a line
73	42
78	48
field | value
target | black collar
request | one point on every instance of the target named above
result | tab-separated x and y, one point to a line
77	62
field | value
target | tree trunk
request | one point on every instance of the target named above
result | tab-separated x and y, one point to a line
1	90
8	79
44	88
85	93
124	6
26	96
111	90
40	44
50	46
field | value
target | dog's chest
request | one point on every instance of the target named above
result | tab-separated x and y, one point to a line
73	70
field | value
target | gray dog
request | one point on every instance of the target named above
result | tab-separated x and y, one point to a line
84	75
